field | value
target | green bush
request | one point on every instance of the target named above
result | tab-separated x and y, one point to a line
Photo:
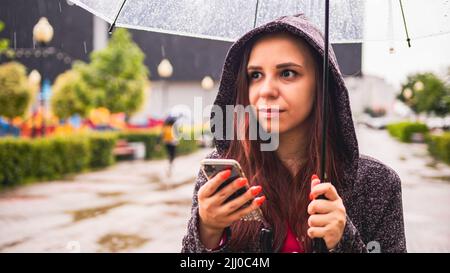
15	160
403	131
23	160
101	149
153	148
27	160
439	146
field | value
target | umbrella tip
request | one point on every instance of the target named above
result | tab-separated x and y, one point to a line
111	28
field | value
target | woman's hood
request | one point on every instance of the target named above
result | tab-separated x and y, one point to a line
301	27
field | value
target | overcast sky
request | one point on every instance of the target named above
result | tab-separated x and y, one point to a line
426	54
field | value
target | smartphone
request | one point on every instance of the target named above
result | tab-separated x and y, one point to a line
211	167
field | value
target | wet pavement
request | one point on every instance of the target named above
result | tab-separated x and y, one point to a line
133	207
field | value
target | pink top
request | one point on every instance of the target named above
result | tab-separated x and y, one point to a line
291	243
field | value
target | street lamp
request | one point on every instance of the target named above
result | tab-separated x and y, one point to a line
42	35
165	70
207	83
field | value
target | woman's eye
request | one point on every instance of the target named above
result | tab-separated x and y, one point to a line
288	73
254	75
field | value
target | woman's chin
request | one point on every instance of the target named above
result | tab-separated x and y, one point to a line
272	127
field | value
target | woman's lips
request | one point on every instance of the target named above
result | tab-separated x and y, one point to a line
270	112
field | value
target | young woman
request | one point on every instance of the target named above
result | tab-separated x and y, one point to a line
277	69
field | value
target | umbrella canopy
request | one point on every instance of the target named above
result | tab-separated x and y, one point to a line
229	19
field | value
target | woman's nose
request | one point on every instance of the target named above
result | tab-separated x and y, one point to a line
269	88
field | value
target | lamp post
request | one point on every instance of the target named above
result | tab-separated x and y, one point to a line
35	81
165	70
42	35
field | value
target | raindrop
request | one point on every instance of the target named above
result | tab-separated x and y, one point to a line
27	54
60	10
163	51
67	60
37	53
15	41
59	56
85	47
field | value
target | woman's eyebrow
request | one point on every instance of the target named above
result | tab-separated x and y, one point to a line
282	65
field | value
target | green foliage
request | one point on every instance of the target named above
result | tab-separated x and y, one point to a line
403	131
439	146
4	43
15	94
23	160
426	93
153	148
101	149
71	95
117	75
28	160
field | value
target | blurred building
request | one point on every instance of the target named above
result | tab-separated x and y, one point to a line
77	33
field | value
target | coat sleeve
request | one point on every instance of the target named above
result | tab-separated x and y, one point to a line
384	223
191	242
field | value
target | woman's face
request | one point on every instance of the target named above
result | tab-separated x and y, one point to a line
281	74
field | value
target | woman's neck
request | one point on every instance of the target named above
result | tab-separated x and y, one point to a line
292	149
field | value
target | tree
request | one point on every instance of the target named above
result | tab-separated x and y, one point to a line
4	45
71	95
117	74
15	93
426	93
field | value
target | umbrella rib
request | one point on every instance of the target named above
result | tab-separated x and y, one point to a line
256	14
404	23
117	16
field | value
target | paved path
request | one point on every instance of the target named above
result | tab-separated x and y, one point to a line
132	207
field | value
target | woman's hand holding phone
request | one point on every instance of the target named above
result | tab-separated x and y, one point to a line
215	214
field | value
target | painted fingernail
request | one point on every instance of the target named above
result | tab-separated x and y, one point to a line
260	200
311	197
255	190
314	176
241	182
226	174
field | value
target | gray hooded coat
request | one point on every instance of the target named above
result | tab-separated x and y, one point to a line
372	196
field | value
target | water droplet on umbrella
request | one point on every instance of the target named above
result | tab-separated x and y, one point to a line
163	51
85	47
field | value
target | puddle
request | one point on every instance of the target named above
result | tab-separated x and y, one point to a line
154	178
110	194
184	202
12	244
115	242
445	178
432	164
170	186
79	215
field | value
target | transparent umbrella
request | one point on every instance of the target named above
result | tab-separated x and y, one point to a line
229	19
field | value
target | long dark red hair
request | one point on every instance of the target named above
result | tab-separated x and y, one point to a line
287	195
